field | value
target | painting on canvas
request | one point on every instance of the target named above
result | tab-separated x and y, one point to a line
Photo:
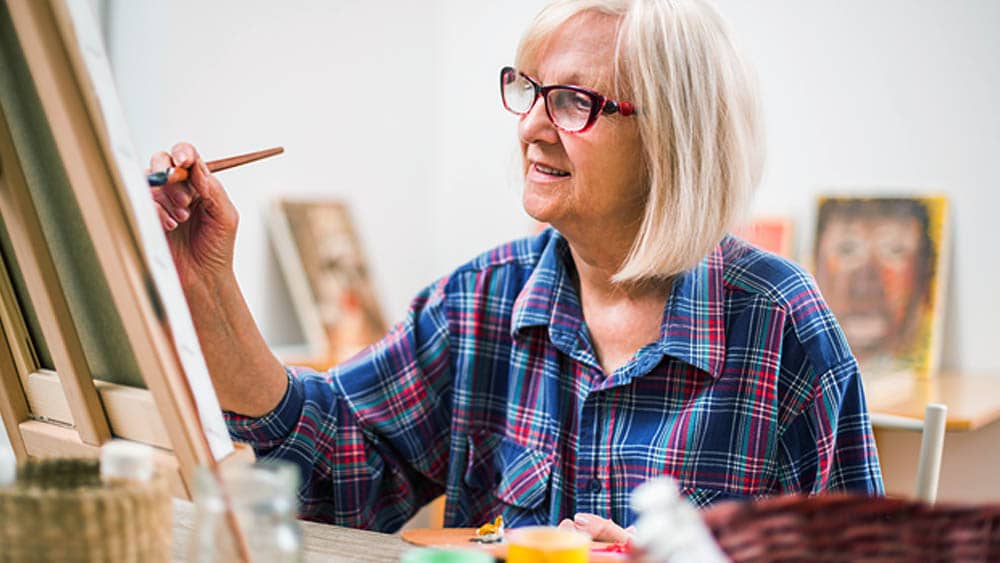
880	265
326	270
773	234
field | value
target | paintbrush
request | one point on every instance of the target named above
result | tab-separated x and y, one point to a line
176	175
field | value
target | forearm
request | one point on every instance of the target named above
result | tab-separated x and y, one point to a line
248	379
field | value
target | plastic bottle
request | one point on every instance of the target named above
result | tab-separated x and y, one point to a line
669	529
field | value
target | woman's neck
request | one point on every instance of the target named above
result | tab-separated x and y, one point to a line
598	262
621	318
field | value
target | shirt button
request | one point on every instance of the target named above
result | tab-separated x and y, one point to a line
595	485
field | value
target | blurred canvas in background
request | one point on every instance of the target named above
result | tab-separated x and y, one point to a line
326	272
880	265
773	234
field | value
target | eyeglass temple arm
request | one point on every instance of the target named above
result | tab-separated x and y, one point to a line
611	106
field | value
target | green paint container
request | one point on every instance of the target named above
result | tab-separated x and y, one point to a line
445	555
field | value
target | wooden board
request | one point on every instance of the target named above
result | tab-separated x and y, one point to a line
971	399
462	538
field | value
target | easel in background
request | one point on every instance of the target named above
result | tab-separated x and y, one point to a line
59	113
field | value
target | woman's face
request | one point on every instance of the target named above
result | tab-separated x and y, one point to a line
868	269
588	182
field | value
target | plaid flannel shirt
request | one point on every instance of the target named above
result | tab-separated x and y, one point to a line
490	392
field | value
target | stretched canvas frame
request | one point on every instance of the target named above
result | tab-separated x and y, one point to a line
67	412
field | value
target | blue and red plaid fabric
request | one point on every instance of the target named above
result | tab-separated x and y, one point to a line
490	393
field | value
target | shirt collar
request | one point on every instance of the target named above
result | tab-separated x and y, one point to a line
549	296
693	326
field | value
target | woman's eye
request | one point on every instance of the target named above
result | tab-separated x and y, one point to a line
569	100
581	102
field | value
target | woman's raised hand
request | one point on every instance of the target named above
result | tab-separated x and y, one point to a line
198	217
200	222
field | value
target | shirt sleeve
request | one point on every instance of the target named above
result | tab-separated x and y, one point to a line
830	446
370	437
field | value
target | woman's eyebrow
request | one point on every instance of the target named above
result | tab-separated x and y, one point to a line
574	78
571	78
596	83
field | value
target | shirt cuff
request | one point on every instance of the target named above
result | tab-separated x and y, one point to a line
270	430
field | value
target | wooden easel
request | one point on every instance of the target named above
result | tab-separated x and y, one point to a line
66	412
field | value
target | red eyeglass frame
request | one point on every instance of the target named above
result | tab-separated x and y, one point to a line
600	105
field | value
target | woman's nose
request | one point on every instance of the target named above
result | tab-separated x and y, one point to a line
535	126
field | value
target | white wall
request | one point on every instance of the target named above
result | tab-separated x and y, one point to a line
343	86
394	106
895	94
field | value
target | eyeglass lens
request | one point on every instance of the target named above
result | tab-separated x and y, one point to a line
569	109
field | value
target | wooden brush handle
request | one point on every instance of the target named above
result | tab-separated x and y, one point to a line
177	175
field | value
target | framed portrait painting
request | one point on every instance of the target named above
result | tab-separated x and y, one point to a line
880	264
326	272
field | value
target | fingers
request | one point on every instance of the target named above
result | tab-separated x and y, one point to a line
168	208
166	220
200	179
184	155
160	161
203	182
599	529
173	200
201	194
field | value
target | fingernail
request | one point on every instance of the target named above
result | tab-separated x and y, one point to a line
170	224
581	520
182	214
180	198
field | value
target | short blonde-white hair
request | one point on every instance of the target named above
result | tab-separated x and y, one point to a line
699	123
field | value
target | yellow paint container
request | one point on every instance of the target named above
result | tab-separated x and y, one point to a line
547	544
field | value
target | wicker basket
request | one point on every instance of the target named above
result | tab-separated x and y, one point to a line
59	510
855	528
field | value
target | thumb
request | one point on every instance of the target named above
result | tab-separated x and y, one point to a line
600	529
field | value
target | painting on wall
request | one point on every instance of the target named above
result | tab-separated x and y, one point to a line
881	266
327	274
773	234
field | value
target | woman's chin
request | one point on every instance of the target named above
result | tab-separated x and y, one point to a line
540	207
542	215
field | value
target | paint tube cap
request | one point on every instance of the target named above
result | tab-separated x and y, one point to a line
122	459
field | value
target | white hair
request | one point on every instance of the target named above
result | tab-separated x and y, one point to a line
699	123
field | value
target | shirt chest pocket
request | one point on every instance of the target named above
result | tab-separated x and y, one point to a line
516	475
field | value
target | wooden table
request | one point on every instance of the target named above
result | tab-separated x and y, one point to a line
898	402
323	543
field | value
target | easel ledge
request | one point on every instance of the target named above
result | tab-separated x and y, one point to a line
45	440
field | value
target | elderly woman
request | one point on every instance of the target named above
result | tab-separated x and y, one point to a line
547	378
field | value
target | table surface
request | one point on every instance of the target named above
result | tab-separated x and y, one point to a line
973	401
322	542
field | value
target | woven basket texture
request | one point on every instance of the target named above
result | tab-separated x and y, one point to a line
855	528
59	510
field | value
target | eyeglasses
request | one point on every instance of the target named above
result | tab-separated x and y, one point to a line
571	108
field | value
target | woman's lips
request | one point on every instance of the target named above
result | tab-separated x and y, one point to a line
544	173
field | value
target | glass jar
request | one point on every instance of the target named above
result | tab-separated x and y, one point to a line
262	497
